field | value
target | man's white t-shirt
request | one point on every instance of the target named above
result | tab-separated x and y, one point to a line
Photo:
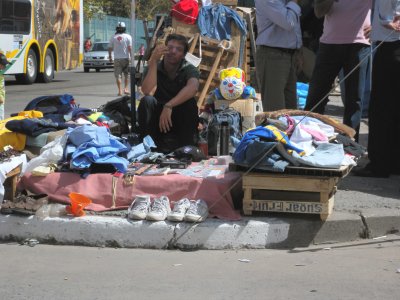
120	43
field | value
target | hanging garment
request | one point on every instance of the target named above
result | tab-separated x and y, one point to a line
214	21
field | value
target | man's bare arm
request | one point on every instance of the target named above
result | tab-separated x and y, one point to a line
188	92
322	7
149	84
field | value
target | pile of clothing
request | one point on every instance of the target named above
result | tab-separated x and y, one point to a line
297	138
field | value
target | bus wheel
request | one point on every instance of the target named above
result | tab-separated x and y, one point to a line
86	70
48	74
97	70
31	69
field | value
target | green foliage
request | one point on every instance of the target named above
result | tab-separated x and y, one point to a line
145	9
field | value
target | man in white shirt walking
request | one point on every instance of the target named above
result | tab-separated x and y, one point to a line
121	44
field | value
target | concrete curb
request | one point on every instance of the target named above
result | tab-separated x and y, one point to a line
249	233
379	222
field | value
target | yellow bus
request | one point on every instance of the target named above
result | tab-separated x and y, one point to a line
40	37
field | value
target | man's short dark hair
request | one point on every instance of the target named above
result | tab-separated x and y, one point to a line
179	38
120	30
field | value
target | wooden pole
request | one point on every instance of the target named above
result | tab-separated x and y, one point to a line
211	75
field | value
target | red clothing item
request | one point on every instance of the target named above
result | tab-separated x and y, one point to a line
88	45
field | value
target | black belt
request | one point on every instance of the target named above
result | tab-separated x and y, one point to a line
286	50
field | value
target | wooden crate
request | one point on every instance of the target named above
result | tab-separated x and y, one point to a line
289	194
213	61
10	184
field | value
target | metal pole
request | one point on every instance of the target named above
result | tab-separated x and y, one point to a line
133	69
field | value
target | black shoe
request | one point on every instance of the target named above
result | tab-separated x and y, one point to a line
368	172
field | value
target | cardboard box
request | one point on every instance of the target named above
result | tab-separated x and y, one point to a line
246	107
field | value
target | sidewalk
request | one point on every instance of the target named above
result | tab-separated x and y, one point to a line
365	208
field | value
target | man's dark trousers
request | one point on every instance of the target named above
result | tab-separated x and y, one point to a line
331	59
184	124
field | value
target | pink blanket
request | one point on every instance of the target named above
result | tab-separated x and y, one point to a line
98	187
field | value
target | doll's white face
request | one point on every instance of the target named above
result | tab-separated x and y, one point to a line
231	88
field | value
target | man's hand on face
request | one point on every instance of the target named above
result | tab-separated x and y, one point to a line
158	52
165	120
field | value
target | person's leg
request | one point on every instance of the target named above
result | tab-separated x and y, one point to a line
126	76
328	63
261	71
354	86
291	87
126	89
1	111
342	86
118	74
395	75
273	69
366	92
118	81
378	130
149	112
185	119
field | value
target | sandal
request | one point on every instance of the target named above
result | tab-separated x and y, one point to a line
24	204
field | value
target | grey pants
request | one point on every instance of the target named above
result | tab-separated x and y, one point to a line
276	74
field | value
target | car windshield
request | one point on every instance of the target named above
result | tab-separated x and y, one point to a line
100	47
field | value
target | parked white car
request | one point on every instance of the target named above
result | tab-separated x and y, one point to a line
97	58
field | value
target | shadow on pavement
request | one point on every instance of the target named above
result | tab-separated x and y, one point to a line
10	82
302	229
334	110
382	187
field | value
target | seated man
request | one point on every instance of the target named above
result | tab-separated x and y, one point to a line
168	112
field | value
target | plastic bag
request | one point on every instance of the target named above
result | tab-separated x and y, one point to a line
49	154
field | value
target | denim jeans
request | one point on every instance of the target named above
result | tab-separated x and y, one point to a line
331	58
365	80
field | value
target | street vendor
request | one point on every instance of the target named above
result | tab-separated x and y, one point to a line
168	112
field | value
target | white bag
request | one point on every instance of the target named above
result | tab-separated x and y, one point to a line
192	59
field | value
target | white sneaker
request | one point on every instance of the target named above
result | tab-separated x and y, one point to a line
159	209
179	210
197	212
139	208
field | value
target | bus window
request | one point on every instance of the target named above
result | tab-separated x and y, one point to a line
15	16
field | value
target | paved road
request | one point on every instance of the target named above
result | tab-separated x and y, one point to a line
89	89
366	270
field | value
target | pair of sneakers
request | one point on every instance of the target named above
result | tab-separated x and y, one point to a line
142	208
189	211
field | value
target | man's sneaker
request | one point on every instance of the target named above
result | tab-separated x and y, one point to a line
197	212
159	209
179	210
139	208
